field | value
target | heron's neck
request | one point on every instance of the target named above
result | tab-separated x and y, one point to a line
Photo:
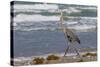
62	22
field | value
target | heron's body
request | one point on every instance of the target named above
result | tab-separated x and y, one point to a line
72	38
67	32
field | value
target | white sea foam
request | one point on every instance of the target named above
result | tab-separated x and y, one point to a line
39	22
34	18
70	22
36	6
83	27
71	10
38	17
83	17
77	27
29	10
14	24
51	10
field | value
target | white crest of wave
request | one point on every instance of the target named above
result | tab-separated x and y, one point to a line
36	6
71	22
29	10
83	27
34	18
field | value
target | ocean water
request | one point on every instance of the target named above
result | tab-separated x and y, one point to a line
36	28
35	43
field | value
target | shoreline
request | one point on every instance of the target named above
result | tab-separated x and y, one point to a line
69	58
82	51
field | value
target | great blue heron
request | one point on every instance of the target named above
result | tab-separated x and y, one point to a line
72	38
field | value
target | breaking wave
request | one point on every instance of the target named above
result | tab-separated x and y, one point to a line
26	22
38	17
36	6
34	18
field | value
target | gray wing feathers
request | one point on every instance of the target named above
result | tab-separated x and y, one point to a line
71	36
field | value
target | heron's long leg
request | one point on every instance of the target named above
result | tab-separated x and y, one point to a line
66	51
78	53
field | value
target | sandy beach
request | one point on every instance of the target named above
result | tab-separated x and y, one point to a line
69	58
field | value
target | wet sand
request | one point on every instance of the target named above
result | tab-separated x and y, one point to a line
70	58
